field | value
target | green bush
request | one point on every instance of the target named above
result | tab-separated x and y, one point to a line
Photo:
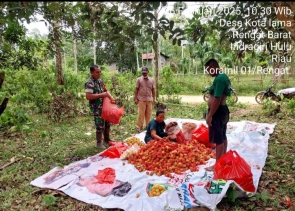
167	83
30	88
15	119
291	106
123	92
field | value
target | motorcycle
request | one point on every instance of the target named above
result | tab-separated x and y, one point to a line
233	95
288	93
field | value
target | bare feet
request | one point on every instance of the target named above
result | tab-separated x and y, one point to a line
210	168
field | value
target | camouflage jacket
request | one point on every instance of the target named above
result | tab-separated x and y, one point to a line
95	87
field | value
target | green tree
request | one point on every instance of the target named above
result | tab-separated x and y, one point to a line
108	53
245	12
94	20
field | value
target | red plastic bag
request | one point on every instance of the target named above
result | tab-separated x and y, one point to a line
180	137
231	166
111	112
115	150
106	175
202	135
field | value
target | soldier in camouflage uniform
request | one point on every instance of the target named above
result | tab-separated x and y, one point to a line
95	92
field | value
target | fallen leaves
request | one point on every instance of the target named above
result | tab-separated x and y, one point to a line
37	191
268	182
49	191
37	207
56	192
33	202
12	161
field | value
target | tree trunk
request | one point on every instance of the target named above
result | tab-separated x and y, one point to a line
239	70
142	61
74	46
286	17
277	76
196	66
292	69
291	64
153	59
137	61
94	51
65	59
94	44
58	53
190	65
58	57
156	50
291	29
2	76
3	105
5	101
46	62
75	55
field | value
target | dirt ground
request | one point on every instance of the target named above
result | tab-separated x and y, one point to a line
241	112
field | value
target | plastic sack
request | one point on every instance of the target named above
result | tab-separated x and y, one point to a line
106	175
115	150
130	151
187	129
231	166
172	129
111	112
201	134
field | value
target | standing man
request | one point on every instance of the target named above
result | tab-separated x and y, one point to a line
218	113
144	97
95	92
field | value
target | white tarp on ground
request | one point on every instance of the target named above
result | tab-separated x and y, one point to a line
129	191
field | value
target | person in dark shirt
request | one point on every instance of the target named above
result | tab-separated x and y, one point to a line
155	128
218	112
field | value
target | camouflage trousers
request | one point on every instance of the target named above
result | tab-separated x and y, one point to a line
100	124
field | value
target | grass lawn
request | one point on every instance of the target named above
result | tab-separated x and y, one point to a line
59	144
